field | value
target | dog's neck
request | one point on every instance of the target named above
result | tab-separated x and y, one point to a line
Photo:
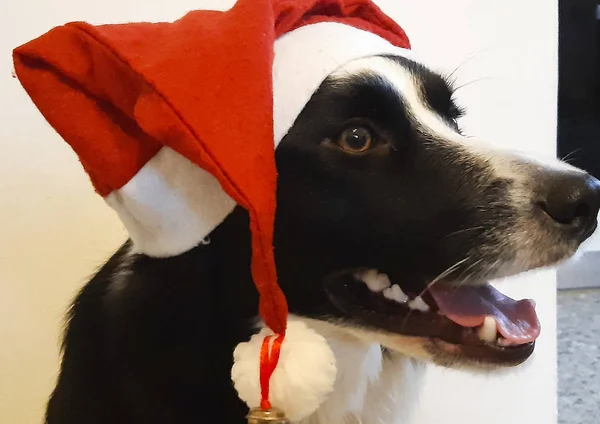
372	385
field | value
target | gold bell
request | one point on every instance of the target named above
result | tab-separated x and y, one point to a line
266	416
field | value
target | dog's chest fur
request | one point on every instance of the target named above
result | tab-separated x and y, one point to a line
372	385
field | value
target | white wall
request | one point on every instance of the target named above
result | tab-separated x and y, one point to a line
54	231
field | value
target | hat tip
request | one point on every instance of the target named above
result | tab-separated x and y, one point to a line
300	383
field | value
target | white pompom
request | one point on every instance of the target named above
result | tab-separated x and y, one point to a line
303	378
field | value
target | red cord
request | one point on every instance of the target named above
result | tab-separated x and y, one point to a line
269	356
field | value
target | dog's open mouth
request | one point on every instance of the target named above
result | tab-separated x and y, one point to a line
477	322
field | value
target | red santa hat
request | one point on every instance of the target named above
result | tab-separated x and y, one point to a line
176	123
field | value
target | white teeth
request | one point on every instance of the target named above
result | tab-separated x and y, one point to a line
418	304
487	332
395	293
380	283
383	282
375	281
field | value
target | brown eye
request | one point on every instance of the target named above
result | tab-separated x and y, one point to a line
356	139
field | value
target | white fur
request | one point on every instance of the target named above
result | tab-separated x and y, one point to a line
370	386
303	378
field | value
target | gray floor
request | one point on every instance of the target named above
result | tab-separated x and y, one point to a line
579	356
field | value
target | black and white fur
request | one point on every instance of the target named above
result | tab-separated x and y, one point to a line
150	340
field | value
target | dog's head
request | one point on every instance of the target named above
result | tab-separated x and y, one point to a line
390	221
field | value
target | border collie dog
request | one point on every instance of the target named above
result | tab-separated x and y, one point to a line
381	199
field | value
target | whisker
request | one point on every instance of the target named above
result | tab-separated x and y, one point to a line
470	267
448	271
440	276
473	82
492	266
464	230
465	61
467	277
444	274
566	158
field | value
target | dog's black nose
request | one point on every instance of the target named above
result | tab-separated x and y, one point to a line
572	200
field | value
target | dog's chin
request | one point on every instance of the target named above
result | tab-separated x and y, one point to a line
419	331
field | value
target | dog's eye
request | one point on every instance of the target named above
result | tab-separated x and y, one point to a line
356	139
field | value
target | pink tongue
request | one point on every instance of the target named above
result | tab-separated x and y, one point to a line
468	306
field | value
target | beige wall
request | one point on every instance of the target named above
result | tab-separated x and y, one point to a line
54	231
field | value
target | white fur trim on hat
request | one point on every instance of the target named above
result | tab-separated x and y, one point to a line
304	376
171	205
305	57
